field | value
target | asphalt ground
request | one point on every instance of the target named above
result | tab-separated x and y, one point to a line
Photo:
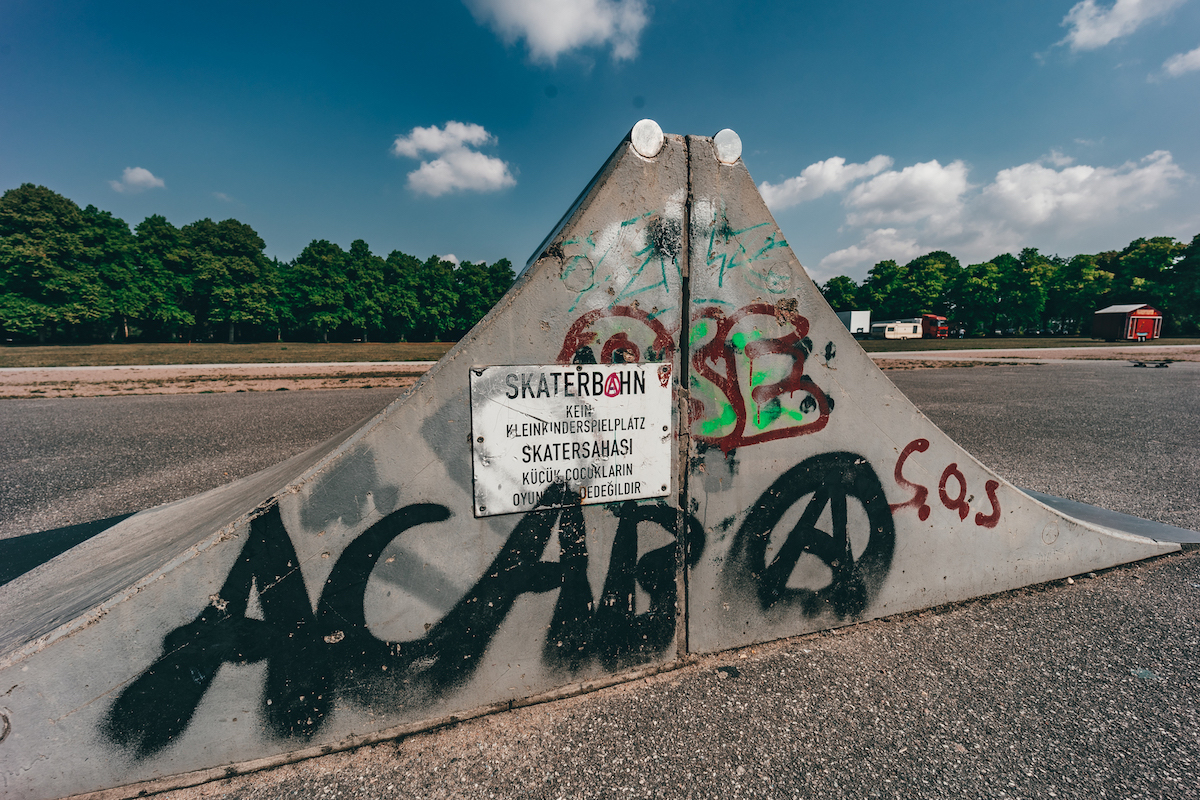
1105	433
1086	689
73	460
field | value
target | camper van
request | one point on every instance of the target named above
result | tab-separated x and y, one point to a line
897	329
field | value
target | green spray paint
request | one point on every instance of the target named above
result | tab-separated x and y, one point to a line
740	340
728	417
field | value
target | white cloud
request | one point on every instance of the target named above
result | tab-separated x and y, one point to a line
1092	27
1058	159
815	180
900	214
553	27
453	259
925	190
456	166
440	140
878	245
136	179
1182	63
224	198
1032	195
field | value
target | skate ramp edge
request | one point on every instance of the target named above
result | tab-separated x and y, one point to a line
661	442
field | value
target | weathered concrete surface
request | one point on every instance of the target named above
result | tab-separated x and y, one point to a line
350	593
877	511
351	590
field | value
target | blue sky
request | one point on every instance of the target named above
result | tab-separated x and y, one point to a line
875	129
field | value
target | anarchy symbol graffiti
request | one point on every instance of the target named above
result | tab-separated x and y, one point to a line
831	480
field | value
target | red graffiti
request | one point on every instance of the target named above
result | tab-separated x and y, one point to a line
959	504
578	346
920	493
992	519
716	361
954	503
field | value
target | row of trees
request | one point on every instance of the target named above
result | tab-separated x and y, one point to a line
72	274
1031	291
81	275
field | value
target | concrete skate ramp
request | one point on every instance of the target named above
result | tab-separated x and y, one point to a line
379	584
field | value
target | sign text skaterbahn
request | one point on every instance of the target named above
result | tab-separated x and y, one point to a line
603	430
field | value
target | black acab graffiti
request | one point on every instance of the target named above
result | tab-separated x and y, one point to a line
831	479
313	658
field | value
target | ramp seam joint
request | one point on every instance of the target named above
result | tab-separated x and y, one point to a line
683	647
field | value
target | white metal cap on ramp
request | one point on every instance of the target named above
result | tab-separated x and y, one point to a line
370	588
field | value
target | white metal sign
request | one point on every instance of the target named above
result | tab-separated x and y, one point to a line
603	430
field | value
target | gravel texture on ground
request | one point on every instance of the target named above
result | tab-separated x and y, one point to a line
75	460
1104	433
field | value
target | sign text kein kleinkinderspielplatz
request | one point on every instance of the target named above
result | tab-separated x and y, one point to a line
602	429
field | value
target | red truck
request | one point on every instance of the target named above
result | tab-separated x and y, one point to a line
934	327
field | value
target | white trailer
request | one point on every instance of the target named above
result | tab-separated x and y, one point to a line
897	329
857	322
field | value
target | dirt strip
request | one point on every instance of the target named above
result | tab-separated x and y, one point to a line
1101	353
200	379
916	363
33	382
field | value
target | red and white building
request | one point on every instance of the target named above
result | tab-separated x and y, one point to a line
1136	322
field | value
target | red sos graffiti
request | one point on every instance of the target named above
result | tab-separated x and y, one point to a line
952	480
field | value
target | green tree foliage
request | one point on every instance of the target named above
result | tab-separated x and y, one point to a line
1185	297
1144	272
233	281
879	291
479	287
1076	289
924	283
841	293
109	249
500	278
400	303
71	274
314	288
433	285
1022	283
976	297
161	258
364	289
46	284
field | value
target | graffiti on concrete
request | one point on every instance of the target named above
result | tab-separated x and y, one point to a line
747	386
651	241
314	657
746	252
849	550
622	334
952	479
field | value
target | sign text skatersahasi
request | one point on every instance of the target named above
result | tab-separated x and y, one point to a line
602	429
